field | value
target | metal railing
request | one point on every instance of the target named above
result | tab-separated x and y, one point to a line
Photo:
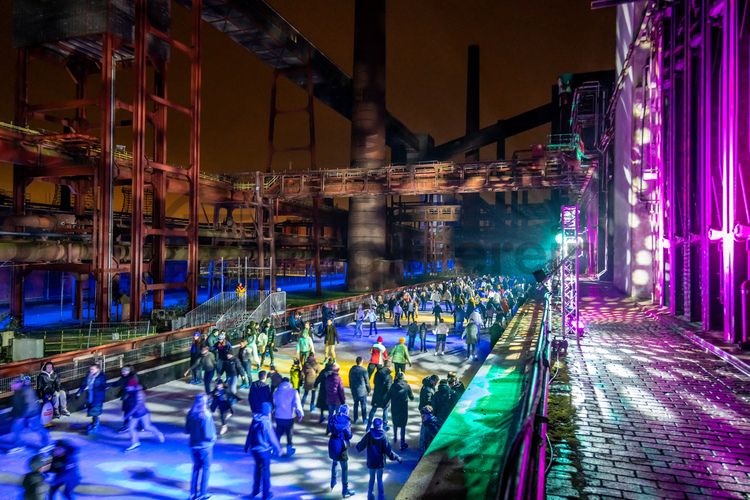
211	310
97	334
522	474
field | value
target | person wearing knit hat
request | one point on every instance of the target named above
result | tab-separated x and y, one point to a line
340	430
378	355
378	448
400	356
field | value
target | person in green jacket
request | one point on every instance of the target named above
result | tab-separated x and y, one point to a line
399	356
305	345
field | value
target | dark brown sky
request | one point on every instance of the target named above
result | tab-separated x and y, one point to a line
524	46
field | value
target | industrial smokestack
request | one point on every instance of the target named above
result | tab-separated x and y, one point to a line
472	97
367	215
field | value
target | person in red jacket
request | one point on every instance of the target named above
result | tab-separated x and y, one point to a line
378	355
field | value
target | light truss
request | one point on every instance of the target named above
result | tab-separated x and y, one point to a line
569	270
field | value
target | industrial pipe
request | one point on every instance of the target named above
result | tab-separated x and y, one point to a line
30	252
46	222
745	296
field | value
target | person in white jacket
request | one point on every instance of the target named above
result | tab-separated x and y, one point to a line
287	404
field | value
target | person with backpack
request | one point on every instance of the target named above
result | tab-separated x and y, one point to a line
199	424
340	431
138	415
378	355
378	448
262	443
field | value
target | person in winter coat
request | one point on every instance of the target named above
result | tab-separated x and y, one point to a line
310	370
26	412
400	356
429	430
128	376
260	392
305	345
139	415
221	349
262	443
340	430
35	487
412	331
442	401
383	382
287	405
399	396
222	398
233	370
372	318
378	448
252	343
398	311
195	354
48	388
472	337
199	424
437	311
275	378
423	337
321	383
331	338
378	355
207	363
428	390
359	384
95	387
245	357
64	466
295	374
335	395
456	386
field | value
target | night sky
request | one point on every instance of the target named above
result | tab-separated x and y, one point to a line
524	47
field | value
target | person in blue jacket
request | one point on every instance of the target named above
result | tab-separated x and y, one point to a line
262	443
199	424
378	448
340	430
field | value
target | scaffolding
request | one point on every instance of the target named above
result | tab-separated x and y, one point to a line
570	270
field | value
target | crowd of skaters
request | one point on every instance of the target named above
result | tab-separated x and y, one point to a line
475	303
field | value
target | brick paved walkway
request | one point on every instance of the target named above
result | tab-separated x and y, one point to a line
657	417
